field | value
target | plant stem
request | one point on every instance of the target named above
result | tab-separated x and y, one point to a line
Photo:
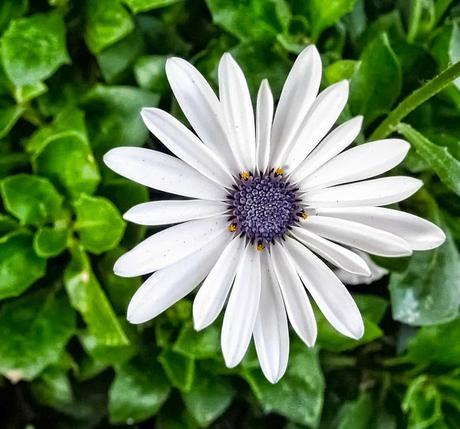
414	100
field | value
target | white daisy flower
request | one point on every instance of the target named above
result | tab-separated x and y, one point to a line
273	201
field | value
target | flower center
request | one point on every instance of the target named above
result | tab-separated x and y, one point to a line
263	206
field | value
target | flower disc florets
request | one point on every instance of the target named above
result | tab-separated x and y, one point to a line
263	206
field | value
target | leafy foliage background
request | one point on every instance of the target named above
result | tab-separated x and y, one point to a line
73	77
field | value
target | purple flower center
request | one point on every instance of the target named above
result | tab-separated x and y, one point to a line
264	206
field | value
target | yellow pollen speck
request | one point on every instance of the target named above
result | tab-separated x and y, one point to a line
260	247
304	215
232	227
245	175
279	172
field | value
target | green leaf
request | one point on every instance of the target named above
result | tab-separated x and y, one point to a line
33	48
299	394
7	224
138	391
324	14
144	5
422	402
32	199
428	292
53	389
20	266
442	343
107	22
180	369
11	9
251	21
9	114
68	162
376	83
99	223
113	117
209	397
25	93
437	157
51	241
34	331
198	345
88	298
342	69
115	60
149	71
421	19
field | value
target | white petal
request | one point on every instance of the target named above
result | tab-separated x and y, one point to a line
331	296
379	192
163	172
271	333
295	297
332	252
201	107
418	232
185	145
167	286
360	236
237	107
242	308
263	125
377	272
320	118
358	163
170	245
173	211
212	294
336	141
298	94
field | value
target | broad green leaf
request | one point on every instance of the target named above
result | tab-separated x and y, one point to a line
99	223
34	47
324	14
180	369
25	93
138	391
51	241
299	394
107	22
376	83
149	71
9	114
20	266
68	162
32	199
209	397
113	117
422	402
34	331
115	60
342	69
428	291
88	298
442	343
53	389
198	345
143	5
251	21
438	158
68	121
11	9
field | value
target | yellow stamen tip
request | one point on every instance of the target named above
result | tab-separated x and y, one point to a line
245	175
304	215
232	227
279	172
260	247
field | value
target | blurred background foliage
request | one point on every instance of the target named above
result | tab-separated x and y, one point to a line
73	77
